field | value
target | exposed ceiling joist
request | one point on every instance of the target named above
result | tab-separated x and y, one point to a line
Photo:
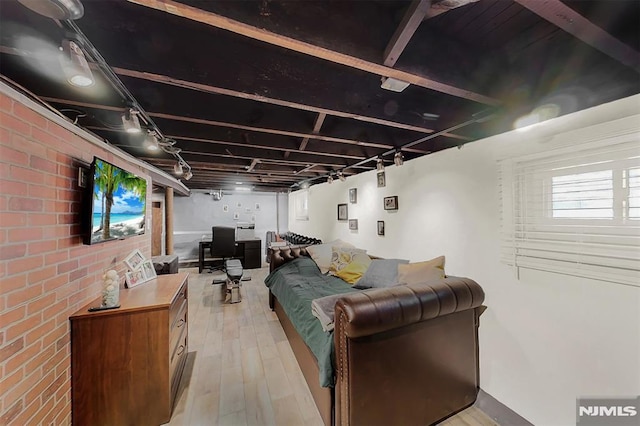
315	131
222	22
580	27
157	78
440	7
253	164
410	22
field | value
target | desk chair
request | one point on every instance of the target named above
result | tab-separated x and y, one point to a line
223	244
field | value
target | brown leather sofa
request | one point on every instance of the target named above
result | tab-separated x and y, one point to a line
404	355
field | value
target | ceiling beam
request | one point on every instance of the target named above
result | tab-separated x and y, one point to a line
218	21
410	22
158	78
580	27
316	130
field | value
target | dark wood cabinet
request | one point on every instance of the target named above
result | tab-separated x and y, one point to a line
251	252
126	363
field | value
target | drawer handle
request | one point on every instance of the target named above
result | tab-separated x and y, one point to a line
182	295
180	323
180	350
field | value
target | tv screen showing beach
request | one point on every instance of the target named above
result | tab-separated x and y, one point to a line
118	203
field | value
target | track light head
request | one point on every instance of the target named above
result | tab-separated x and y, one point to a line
56	9
188	175
130	121
74	65
380	165
151	142
177	168
341	177
398	158
330	179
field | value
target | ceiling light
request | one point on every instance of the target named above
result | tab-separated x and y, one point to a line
130	121
330	179
394	85
380	165
188	175
56	9
398	159
238	183
243	188
304	185
341	177
75	65
177	168
151	142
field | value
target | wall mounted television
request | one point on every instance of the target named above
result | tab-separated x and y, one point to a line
115	203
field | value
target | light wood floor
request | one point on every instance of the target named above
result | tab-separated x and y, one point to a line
240	369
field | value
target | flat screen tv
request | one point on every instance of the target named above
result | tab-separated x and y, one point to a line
115	204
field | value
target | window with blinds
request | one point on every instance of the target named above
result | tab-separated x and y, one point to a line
575	211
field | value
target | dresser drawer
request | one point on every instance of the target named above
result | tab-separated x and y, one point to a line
177	305
178	356
178	326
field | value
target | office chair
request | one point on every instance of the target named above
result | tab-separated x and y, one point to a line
223	244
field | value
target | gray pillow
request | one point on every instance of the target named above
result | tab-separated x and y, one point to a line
381	273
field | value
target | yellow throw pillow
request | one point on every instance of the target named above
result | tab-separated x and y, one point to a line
321	253
414	273
349	263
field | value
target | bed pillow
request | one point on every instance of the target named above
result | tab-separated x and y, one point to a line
414	273
321	253
381	273
348	263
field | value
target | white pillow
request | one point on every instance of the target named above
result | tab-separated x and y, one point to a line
321	253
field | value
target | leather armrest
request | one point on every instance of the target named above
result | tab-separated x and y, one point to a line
378	310
282	255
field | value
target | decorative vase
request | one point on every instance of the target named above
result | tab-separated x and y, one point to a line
110	289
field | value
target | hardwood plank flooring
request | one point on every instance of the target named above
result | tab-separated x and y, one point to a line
240	369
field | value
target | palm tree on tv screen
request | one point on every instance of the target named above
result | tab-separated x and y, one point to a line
109	178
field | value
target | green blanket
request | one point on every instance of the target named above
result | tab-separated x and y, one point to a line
296	284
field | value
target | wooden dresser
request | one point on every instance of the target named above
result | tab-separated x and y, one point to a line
126	363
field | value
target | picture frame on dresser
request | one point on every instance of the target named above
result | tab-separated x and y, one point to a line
134	260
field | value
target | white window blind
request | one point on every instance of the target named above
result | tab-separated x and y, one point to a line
575	211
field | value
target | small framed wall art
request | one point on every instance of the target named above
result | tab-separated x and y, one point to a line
391	203
353	195
381	227
134	260
353	224
382	182
343	212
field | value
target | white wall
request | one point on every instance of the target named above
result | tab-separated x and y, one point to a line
195	215
546	338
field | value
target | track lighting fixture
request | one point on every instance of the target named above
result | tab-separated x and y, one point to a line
177	168
380	165
398	158
151	142
341	177
188	175
130	121
56	9
75	65
330	179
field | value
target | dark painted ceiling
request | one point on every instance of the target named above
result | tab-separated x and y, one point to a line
272	93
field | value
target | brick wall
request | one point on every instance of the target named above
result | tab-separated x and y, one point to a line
46	272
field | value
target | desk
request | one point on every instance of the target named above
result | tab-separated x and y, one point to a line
248	251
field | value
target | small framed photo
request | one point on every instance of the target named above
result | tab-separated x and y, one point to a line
382	182
257	207
343	212
225	208
134	260
391	203
353	224
353	195
134	278
381	227
236	216
148	269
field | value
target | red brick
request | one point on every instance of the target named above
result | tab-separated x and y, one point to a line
40	304
25	204
3	236
10	415
40	331
11	349
54	232
12	219
55	282
51	311
11	380
42	191
29	115
26	175
67	171
42	247
66	218
12	187
23	265
26	414
57	257
59	333
62	182
77	274
25	234
10	122
12	251
21	327
42	165
4	203
17	297
56	206
42	219
13	283
13	156
6	103
68	266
